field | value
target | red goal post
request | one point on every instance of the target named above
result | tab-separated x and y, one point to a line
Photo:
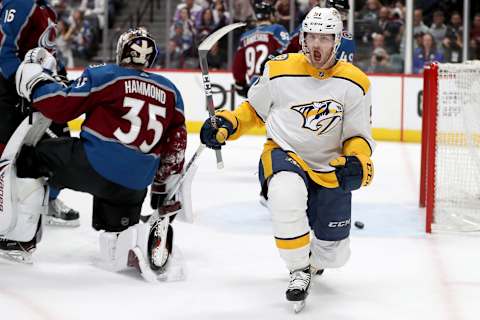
450	153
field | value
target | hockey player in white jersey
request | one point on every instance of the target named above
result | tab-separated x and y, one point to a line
317	111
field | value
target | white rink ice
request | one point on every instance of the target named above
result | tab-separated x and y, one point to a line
396	271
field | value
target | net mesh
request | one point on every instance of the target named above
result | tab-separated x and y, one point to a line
457	164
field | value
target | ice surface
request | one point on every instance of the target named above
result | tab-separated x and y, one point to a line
234	271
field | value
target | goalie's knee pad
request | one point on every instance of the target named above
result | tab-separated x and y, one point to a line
153	241
22	201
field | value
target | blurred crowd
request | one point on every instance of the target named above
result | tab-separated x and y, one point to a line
79	27
379	31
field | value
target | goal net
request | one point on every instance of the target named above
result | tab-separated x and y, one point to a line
450	173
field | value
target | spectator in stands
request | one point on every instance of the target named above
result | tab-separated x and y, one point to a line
393	32
61	9
380	62
205	25
64	50
438	29
94	9
475	31
419	28
193	10
452	47
282	12
188	31
221	16
242	10
82	36
426	53
371	11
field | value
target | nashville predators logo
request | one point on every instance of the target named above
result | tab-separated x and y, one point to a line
320	116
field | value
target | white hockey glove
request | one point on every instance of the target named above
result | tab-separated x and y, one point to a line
28	76
43	57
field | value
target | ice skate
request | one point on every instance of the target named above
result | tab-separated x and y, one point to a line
61	215
298	288
17	251
161	264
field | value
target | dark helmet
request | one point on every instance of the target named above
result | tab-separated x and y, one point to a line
340	5
137	47
263	9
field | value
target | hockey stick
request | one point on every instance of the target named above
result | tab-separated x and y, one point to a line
203	49
171	193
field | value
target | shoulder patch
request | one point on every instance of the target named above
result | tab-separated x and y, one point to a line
347	35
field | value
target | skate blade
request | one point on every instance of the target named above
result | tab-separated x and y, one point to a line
298	306
57	222
172	271
17	256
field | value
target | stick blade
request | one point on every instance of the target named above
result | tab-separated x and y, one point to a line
208	43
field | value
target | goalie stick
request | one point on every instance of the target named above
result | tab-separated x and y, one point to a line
203	50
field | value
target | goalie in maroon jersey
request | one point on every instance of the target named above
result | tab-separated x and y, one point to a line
257	46
134	131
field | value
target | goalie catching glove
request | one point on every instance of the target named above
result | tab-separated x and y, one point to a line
215	131
353	171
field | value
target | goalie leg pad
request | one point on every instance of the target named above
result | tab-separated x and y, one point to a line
22	201
287	201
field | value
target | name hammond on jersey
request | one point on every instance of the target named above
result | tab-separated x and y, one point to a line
145	89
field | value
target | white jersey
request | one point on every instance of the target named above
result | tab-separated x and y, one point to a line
313	113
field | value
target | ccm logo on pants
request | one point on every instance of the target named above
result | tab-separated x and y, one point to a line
338	224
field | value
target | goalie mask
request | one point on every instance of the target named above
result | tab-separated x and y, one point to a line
321	26
136	47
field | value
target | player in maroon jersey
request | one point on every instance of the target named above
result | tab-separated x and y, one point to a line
256	46
24	25
134	131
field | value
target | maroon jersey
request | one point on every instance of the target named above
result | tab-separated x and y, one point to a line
24	25
134	121
256	46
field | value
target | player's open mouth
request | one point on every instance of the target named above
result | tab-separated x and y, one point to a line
317	56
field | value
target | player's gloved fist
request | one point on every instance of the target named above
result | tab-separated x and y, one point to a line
242	89
215	130
353	171
42	57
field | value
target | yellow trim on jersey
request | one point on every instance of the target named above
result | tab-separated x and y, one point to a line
295	243
325	179
356	145
296	64
243	119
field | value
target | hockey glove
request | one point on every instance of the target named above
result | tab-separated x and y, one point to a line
353	171
215	130
242	89
28	76
42	57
